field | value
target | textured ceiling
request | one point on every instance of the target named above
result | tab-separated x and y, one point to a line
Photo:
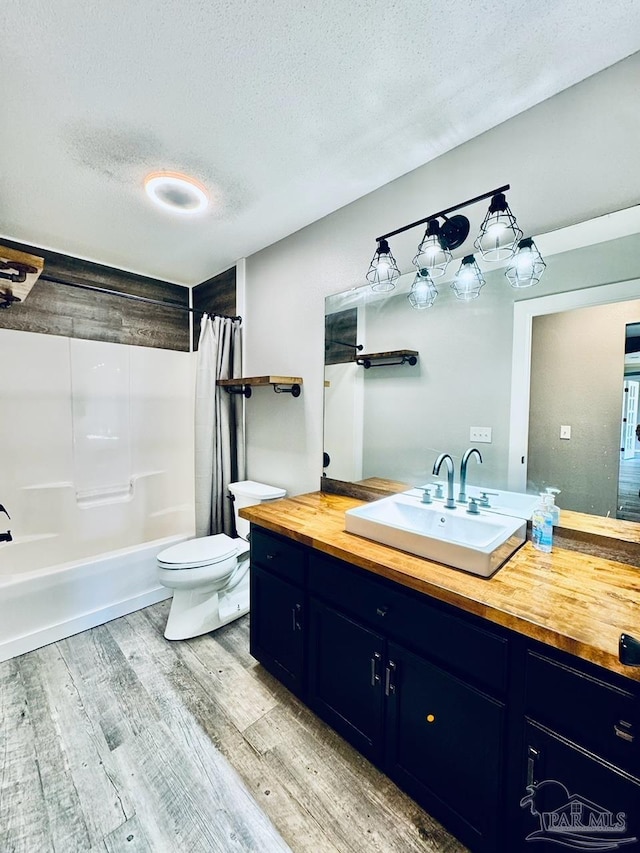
286	111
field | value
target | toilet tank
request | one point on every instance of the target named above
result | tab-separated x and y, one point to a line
248	493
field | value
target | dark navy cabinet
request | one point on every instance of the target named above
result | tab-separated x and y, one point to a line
580	766
445	747
500	738
277	631
346	662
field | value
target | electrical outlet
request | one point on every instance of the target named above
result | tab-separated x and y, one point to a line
480	435
565	431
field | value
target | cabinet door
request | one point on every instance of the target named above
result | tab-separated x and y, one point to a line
445	747
346	677
277	635
574	800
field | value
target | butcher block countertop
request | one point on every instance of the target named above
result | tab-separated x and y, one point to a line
576	602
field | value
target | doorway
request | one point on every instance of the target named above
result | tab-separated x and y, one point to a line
628	505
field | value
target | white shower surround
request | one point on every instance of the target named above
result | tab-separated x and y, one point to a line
75	559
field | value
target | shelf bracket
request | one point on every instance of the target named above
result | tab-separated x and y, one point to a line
294	389
368	362
245	390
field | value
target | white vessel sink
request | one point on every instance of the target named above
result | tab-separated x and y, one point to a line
479	544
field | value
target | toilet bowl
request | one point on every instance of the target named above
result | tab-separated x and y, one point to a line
209	575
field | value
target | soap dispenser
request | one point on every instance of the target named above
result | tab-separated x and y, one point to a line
542	523
555	509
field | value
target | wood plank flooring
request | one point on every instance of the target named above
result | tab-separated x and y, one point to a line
629	489
118	740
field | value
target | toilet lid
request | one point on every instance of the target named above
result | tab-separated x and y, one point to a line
194	553
259	491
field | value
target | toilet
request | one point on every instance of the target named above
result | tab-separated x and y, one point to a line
209	575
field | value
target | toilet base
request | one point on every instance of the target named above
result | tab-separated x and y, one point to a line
195	612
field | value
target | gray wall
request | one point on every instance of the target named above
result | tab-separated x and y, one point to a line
577	371
565	166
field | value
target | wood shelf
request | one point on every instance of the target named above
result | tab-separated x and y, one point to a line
280	384
388	359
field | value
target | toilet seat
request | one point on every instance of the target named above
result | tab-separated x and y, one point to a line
197	553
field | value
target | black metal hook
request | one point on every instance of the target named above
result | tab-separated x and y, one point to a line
2	509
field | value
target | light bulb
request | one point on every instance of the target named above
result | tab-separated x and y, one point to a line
383	271
423	291
499	232
468	279
527	266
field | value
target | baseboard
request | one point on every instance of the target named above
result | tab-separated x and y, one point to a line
52	633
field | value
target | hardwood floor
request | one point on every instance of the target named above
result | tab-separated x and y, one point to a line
629	489
118	740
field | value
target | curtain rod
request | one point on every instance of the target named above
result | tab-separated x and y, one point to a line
132	296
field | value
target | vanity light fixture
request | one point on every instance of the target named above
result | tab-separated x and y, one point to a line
383	269
433	255
526	266
468	280
177	193
423	291
498	240
499	232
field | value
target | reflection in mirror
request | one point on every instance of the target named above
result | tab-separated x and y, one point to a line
473	376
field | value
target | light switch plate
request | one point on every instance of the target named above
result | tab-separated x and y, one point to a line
481	435
565	431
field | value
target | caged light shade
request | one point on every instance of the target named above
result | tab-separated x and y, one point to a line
423	291
468	280
433	255
527	266
499	232
383	270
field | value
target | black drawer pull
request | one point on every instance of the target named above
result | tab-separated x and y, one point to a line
629	650
623	730
375	671
390	679
270	556
296	613
382	611
532	756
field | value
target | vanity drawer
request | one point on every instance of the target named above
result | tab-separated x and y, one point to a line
594	713
278	555
408	617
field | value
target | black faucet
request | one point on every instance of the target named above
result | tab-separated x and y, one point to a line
5	537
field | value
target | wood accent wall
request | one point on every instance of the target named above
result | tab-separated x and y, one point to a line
339	329
217	295
54	309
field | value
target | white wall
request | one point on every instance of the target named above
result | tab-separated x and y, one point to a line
568	159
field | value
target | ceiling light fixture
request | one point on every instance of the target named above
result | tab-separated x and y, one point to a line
498	240
177	193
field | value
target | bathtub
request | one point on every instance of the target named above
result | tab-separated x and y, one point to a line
42	606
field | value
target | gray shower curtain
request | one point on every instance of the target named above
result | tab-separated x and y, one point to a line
219	425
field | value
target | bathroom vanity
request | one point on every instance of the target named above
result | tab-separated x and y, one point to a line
463	690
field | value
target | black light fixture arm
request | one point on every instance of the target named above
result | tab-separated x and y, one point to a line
444	213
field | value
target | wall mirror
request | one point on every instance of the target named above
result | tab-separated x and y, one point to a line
515	369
